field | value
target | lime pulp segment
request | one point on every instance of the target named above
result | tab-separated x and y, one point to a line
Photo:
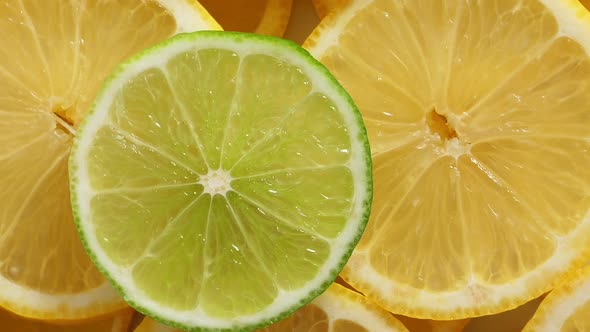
221	180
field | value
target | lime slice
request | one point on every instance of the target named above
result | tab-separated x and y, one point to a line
222	180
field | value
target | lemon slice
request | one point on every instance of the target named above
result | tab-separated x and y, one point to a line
54	57
567	308
266	17
324	7
114	322
337	309
222	180
478	118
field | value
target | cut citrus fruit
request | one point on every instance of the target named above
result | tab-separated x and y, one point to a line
566	308
266	17
54	57
324	7
222	180
477	113
114	322
336	310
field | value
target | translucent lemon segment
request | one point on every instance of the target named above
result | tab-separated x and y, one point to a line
28	207
477	114
64	32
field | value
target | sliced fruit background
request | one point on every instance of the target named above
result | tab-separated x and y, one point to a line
298	29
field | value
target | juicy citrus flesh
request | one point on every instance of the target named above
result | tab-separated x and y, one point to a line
115	322
267	17
230	168
566	308
53	59
478	122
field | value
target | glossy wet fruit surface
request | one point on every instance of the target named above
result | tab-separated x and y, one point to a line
478	121
53	59
231	168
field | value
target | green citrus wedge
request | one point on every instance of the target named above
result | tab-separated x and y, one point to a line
221	180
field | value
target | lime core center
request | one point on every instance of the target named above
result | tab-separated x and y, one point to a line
216	182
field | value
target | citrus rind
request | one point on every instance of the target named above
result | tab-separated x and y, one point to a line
241	44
